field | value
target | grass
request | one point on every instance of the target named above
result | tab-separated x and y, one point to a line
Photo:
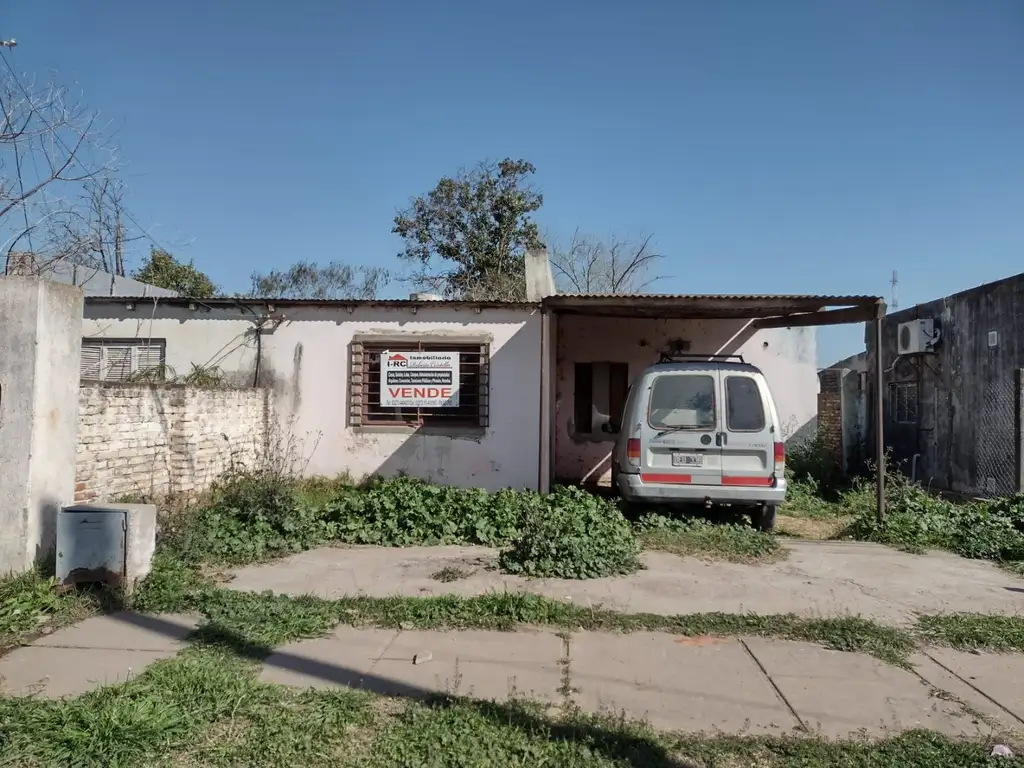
261	621
451	573
973	631
29	606
207	707
813	528
734	542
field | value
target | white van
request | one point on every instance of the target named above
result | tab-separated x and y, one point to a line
702	429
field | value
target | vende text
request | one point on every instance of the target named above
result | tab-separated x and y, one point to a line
420	393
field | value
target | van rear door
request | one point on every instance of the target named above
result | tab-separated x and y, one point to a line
680	427
748	440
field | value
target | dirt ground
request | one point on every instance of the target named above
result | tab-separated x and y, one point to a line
818	578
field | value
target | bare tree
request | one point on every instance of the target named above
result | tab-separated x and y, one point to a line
591	265
307	280
55	167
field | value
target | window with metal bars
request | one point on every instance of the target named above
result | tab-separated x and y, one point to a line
123	359
903	402
367	379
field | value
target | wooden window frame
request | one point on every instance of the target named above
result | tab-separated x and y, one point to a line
617	387
366	415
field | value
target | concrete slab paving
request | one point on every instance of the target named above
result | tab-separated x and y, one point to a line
826	578
55	672
481	665
972	697
1000	677
676	683
345	657
125	630
836	693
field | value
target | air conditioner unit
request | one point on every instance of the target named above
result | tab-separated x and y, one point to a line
916	337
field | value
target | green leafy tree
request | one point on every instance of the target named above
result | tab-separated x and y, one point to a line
307	280
467	238
164	271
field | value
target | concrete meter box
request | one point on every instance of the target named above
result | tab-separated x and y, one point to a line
105	543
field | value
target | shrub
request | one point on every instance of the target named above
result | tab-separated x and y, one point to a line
917	520
406	511
572	534
809	461
252	515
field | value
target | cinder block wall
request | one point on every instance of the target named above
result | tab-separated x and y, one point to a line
155	440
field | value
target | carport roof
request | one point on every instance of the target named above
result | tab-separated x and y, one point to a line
767	309
773	309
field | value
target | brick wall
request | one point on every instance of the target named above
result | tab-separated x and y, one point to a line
155	440
830	412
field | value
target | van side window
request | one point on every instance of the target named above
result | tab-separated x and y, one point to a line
744	409
682	401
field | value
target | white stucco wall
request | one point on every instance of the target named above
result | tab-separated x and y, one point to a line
305	360
786	356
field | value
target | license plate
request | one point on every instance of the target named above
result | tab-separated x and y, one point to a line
687	460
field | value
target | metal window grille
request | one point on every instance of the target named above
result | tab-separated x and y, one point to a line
366	379
903	402
122	360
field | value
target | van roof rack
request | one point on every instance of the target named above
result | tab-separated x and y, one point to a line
691	357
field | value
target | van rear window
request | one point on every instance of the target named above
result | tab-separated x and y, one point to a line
744	409
682	401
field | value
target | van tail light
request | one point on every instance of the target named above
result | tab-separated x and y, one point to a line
633	451
780	458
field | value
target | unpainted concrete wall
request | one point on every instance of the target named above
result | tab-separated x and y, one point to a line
40	346
786	356
304	359
155	440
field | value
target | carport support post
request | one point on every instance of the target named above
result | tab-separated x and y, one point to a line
879	419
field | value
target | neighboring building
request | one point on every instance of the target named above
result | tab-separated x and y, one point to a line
538	379
952	395
92	281
857	362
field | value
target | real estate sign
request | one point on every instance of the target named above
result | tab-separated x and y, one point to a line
419	380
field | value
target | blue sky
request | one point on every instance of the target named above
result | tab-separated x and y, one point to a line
771	147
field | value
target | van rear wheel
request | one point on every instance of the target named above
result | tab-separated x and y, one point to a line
763	518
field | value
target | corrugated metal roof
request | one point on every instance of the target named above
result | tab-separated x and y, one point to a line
720	306
825	298
677	306
557	298
222	301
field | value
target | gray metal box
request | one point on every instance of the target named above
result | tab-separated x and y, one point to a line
91	545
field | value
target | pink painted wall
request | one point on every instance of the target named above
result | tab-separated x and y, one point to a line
786	356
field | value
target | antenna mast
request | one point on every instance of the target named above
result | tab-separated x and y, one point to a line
895	303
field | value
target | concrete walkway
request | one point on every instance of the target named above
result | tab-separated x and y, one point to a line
816	579
748	685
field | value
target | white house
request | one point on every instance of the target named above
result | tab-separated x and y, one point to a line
537	379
